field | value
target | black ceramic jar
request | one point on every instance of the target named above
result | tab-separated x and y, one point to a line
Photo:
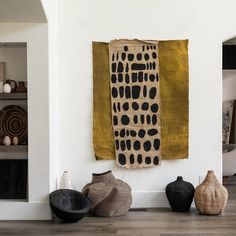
180	194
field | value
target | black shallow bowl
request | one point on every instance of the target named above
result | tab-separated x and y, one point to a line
69	205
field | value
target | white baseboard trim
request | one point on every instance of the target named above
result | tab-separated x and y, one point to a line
149	200
17	210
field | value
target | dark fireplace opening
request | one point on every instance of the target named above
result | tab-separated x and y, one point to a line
13	179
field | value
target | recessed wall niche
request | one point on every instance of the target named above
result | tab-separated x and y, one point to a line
13	120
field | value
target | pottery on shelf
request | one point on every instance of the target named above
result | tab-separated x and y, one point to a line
6	141
65	182
6	88
109	196
210	196
180	194
14	122
21	88
13	85
15	140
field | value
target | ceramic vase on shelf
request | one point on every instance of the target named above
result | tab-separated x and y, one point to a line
6	141
21	88
15	141
210	196
6	88
180	194
65	182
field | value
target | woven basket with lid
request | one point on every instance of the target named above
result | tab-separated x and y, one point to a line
210	196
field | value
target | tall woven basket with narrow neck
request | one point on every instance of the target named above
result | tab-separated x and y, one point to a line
210	196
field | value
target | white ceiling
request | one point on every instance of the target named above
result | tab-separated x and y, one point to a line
22	11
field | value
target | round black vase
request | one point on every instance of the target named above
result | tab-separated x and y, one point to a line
180	194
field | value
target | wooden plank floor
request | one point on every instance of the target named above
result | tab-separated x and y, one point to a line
145	222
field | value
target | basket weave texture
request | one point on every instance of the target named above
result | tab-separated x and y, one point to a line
69	205
109	196
210	196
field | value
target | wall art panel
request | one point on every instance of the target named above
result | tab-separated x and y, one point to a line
173	77
173	61
102	125
135	102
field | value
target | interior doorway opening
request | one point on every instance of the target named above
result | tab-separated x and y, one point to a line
229	111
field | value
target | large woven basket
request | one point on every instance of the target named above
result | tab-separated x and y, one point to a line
109	196
211	196
69	205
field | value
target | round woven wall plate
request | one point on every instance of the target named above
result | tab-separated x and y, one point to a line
14	122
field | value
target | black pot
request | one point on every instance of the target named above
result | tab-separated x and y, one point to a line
180	194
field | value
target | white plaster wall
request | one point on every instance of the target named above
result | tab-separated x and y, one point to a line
51	11
205	23
16	62
36	37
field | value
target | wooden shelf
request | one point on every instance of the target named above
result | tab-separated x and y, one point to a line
13	96
19	152
2	200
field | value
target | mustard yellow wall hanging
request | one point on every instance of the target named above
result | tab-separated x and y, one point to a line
172	123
